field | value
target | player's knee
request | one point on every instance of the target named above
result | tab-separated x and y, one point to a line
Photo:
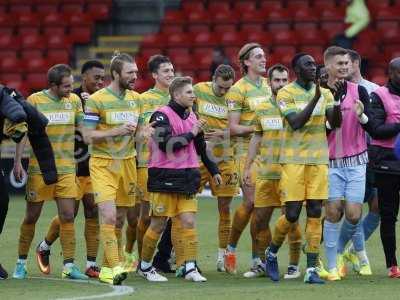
158	227
188	223
353	217
292	215
314	208
67	216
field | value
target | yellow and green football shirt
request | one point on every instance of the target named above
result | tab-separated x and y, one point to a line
63	115
150	101
105	110
307	145
214	110
269	123
243	97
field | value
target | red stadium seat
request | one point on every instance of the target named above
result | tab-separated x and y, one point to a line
312	37
183	61
294	5
386	24
28	30
10	42
174	17
321	5
221	28
205	39
306	14
143	85
10	77
253	17
38	64
28	19
203	75
286	38
54	19
71	8
232	53
270	4
31	53
333	14
58	42
154	41
263	38
203	61
45	8
79	19
315	51
98	11
80	34
20	8
196	6
6	53
232	38
177	51
203	51
54	30
7	20
333	28
58	56
171	28
37	81
302	26
245	27
215	6
33	41
7	30
225	17
199	17
278	20
198	27
244	6
10	65
387	14
178	40
366	50
390	36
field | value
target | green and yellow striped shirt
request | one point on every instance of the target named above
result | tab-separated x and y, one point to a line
243	97
105	110
307	145
63	115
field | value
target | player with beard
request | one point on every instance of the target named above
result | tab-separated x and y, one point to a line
111	119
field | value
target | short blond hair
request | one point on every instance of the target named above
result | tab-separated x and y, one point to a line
178	83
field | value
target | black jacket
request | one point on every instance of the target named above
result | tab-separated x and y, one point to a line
81	149
185	181
382	159
14	107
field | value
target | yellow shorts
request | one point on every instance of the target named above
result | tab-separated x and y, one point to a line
171	204
304	182
113	180
38	191
84	186
267	193
230	180
240	163
141	192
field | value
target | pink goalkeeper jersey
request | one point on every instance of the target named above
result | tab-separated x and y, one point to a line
184	158
348	140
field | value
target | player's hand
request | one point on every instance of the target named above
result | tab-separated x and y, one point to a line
198	127
217	179
247	177
18	171
126	129
85	96
148	130
317	90
359	108
340	90
214	134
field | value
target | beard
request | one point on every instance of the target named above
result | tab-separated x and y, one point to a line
125	85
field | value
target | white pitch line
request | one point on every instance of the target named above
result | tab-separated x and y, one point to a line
118	290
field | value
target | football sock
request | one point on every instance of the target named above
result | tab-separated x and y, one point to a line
370	223
130	235
313	235
294	240
118	234
92	238
253	235
240	220
141	230
224	229
189	238
110	244
67	240
150	241
54	230
331	235
282	228
27	231
352	232
263	240
176	238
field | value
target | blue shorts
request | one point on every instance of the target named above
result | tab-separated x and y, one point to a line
347	184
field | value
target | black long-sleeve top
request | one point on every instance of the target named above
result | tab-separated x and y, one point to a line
164	136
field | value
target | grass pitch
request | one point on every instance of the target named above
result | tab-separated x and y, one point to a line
219	285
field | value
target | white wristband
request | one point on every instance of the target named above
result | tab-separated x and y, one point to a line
336	103
363	119
328	125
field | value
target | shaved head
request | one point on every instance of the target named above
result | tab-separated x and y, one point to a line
394	71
